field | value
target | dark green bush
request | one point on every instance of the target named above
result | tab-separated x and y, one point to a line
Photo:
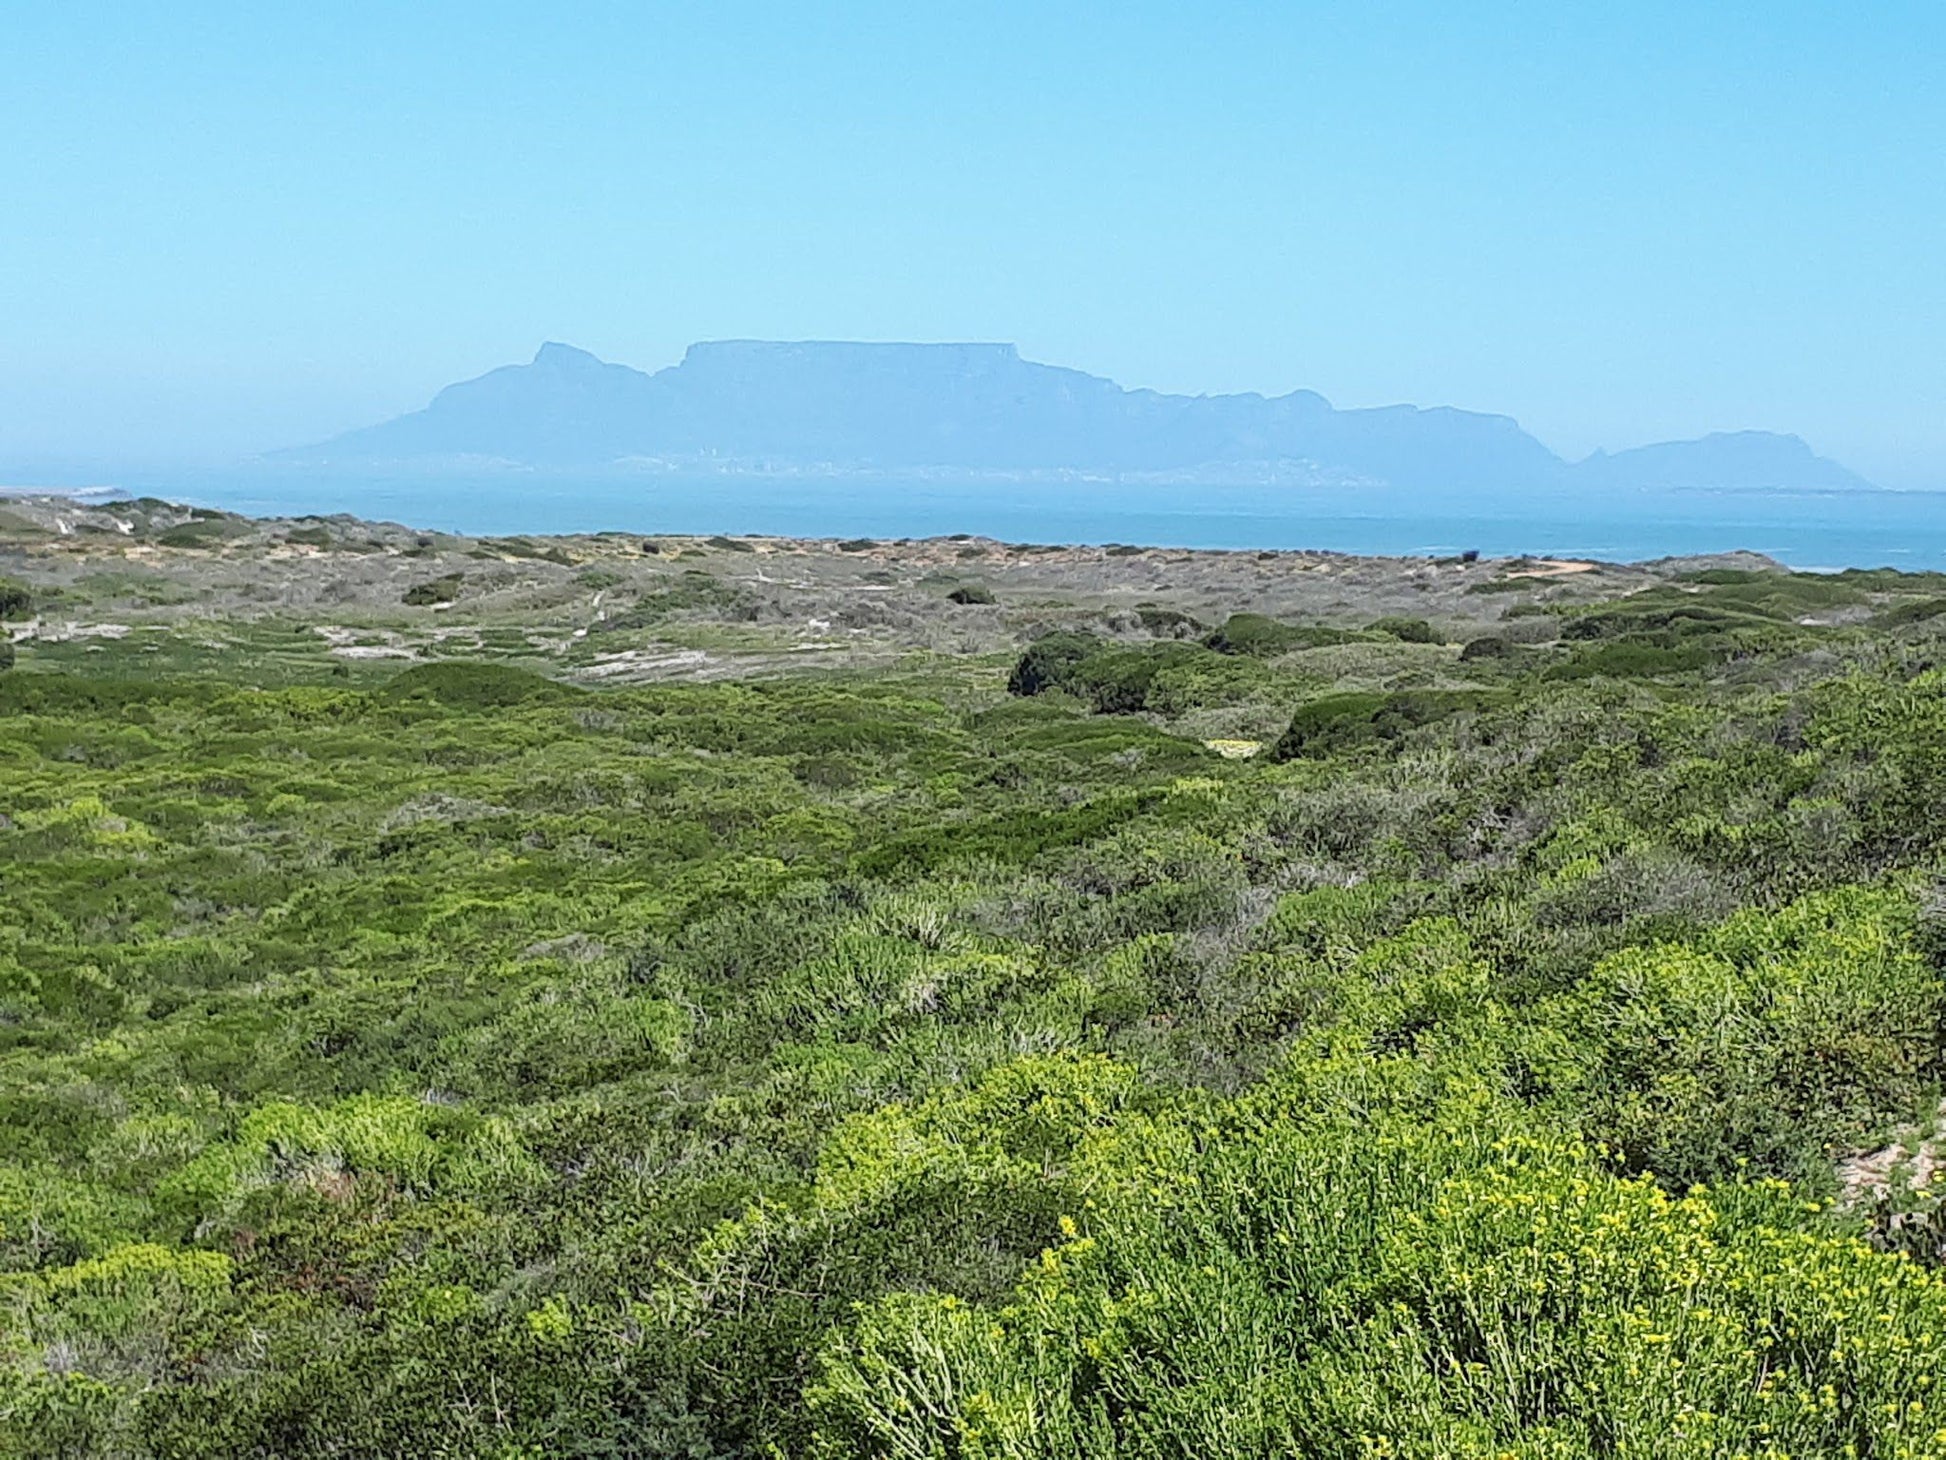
444	589
1116	681
1169	622
1049	662
1913	611
1636	659
1342	722
469	686
971	593
1720	576
202	533
526	549
1168	678
1253	633
1406	630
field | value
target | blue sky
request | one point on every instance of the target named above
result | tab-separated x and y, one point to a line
231	227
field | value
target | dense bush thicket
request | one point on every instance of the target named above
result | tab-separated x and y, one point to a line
480	1066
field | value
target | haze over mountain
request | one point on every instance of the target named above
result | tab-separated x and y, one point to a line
833	408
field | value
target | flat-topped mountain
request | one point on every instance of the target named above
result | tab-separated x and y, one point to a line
834	407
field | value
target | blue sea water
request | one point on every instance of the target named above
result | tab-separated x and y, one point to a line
1805	530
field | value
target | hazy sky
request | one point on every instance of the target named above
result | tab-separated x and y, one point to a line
230	227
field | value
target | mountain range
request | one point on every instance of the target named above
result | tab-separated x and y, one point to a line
980	410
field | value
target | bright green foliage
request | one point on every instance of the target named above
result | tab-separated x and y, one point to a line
1384	1250
1772	1042
878	1063
1431	1290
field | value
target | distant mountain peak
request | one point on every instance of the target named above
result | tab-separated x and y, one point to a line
1723	460
556	356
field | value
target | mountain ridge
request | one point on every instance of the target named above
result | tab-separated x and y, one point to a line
981	409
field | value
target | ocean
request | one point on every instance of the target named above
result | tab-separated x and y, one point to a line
1816	531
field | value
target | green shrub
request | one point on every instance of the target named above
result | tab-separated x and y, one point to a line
523	548
1913	611
1253	633
444	589
15	600
469	686
1406	630
1049	662
1169	622
971	593
693	592
89	698
1117	681
1633	659
1342	722
201	533
1445	1282
1783	1038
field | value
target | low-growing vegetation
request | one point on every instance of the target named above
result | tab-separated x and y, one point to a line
1535	1050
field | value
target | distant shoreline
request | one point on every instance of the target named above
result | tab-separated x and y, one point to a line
1803	530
